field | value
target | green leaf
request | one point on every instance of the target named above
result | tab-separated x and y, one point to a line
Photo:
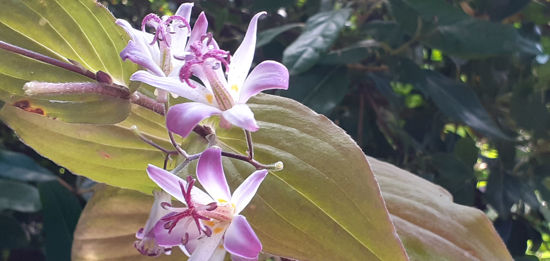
268	35
455	176
82	31
293	213
13	235
18	196
386	31
321	88
453	98
455	33
351	54
430	225
18	166
318	36
61	212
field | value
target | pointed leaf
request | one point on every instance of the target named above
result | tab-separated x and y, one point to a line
318	36
18	196
431	226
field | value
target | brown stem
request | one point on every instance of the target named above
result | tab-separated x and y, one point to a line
46	59
149	103
249	144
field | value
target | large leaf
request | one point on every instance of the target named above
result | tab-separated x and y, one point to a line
318	36
18	196
61	212
430	225
268	35
310	210
82	31
452	31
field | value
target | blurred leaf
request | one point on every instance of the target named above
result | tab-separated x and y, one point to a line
386	31
504	190
453	98
524	104
351	54
13	235
321	88
430	225
455	176
536	12
318	36
18	166
382	84
61	212
465	150
500	9
50	28
449	29
268	35
292	205
18	196
270	5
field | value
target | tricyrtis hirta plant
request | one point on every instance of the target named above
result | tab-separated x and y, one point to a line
209	223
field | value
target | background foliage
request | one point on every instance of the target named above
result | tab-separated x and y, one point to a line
455	91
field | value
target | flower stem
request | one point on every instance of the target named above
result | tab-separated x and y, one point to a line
249	144
46	59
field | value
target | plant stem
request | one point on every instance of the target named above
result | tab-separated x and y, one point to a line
46	59
249	144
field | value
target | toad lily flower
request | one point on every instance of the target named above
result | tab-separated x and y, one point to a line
211	221
154	52
216	94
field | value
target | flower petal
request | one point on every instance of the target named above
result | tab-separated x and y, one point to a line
185	11
182	118
267	75
199	29
206	247
171	184
219	254
139	50
246	191
175	86
167	238
211	176
242	59
240	240
179	38
240	115
157	211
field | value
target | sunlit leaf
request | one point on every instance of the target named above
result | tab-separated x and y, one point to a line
292	212
82	31
318	36
430	225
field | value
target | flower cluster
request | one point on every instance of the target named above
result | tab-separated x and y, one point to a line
189	63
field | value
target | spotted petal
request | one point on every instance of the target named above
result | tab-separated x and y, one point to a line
171	184
241	116
211	176
199	30
179	38
246	191
182	118
174	237
242	59
266	76
175	86
240	240
139	49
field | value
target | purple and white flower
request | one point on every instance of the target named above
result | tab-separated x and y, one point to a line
210	224
217	94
